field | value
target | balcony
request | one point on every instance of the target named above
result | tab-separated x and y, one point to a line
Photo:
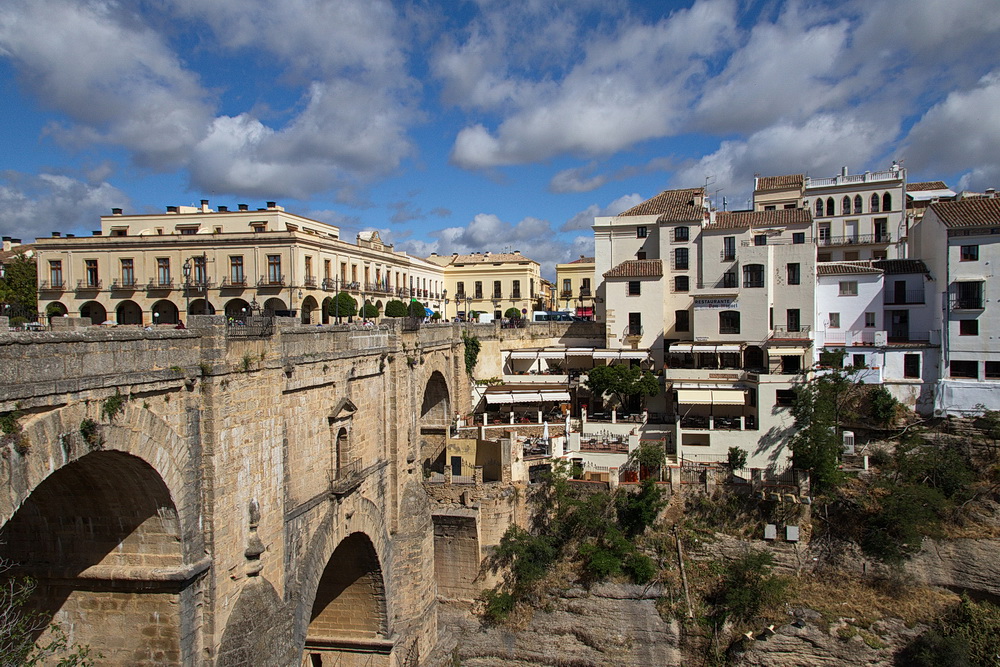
967	302
584	293
461	296
309	281
850	338
272	280
329	284
123	285
676	374
566	294
904	298
237	282
856	239
88	285
199	285
48	285
792	332
867	177
166	283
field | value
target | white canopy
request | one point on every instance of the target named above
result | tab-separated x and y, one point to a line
711	396
707	348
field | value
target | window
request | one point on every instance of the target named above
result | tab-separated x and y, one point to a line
641	232
784	397
200	272
911	366
970	253
964	369
845	205
682	320
585	287
829	206
869	320
879	254
461	289
834	320
823	257
163	270
496	289
789	206
728	248
886	202
236	276
258	226
793	319
479	290
635	324
857	204
824	233
681	234
875	203
848	288
531	288
771	207
729	322
681	259
567	287
328	265
851	256
993	370
969	295
55	272
819	208
634	288
753	275
92	277
640	254
729	279
274	269
682	284
881	230
128	272
858	361
968	327
831	358
798	238
309	268
790	364
760	239
515	289
188	231
793	274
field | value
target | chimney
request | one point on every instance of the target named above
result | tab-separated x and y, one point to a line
271	204
71	236
95	232
244	207
116	211
991	193
204	206
56	235
6	239
171	209
223	209
843	172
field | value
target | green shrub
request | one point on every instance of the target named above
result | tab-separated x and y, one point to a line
113	405
745	588
472	347
497	606
395	308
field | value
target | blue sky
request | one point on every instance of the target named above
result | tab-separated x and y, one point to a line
459	126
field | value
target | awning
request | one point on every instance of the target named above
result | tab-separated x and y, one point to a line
694	396
523	397
621	354
729	397
524	354
706	348
557	354
681	347
788	351
557	396
580	352
737	348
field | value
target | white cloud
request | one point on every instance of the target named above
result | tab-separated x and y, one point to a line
35	205
585	218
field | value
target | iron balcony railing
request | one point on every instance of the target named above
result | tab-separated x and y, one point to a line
271	281
309	281
160	284
233	282
129	284
89	284
633	330
974	302
856	239
784	331
904	298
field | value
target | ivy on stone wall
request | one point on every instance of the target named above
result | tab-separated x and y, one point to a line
472	347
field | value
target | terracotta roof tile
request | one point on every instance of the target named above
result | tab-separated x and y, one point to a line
27	249
767	183
846	268
897	266
582	260
926	185
672	205
745	219
637	268
968	212
480	258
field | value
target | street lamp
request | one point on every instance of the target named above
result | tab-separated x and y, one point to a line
444	295
186	270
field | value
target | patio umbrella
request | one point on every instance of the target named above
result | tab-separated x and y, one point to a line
545	432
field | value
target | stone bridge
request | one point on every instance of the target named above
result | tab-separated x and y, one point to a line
202	497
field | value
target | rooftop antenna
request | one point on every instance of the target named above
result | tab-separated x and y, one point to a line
709	180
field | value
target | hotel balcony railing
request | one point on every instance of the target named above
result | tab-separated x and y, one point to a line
123	284
233	282
271	281
199	285
51	284
784	331
566	294
461	296
867	177
721	283
915	296
329	284
83	285
856	239
309	281
160	284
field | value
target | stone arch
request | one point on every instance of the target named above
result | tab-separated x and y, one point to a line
237	308
309	306
94	311
325	310
201	307
274	304
128	312
55	309
435	406
256	632
165	312
358	517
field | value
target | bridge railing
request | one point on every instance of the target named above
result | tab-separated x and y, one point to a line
369	336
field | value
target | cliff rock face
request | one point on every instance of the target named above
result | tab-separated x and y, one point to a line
609	625
963	564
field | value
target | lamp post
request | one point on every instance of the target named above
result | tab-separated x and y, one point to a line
186	270
444	295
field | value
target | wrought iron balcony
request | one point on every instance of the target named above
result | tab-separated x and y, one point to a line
309	281
784	331
85	285
129	284
51	285
160	284
239	281
856	239
271	281
915	296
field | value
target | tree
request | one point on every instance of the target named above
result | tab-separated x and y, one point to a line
512	313
369	311
737	458
626	383
19	284
395	308
417	310
343	305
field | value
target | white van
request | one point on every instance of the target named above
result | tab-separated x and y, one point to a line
551	316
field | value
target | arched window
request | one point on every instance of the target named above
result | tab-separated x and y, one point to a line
874	203
829	206
886	202
857	204
819	208
846	205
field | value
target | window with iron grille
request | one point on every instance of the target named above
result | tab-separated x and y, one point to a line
753	275
729	322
